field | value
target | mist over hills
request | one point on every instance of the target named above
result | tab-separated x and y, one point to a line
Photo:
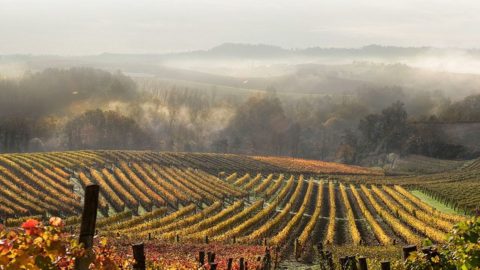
232	50
250	99
258	67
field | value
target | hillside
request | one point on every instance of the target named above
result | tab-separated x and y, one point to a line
165	197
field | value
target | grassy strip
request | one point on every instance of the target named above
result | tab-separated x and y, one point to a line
434	203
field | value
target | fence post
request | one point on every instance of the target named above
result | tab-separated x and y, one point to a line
242	263
267	259
362	263
343	262
201	257
229	264
385	265
352	262
331	266
296	248
87	227
407	250
139	256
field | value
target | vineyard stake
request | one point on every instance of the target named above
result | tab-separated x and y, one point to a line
319	246
296	248
267	259
330	260
407	250
343	263
352	262
242	263
362	263
385	265
229	264
201	257
139	256
87	227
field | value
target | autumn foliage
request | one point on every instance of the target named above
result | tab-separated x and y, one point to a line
316	166
37	246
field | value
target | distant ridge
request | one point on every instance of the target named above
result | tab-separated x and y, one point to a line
265	51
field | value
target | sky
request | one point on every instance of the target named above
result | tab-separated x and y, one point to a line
81	27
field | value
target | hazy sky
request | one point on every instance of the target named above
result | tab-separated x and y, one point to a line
141	26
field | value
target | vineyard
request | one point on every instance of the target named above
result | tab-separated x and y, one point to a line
232	200
457	188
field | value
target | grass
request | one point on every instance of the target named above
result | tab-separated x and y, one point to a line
431	201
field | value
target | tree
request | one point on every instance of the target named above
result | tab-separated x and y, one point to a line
259	126
98	129
467	110
15	134
386	132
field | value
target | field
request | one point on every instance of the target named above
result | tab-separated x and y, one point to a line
235	204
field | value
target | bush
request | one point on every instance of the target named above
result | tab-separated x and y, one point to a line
462	250
35	246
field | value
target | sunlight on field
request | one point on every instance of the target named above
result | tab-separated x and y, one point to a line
431	201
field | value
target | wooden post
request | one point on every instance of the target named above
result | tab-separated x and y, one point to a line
139	256
149	236
177	238
430	252
206	239
331	266
296	248
407	250
362	263
319	246
209	257
212	257
385	265
201	257
229	264
213	266
242	263
352	262
234	239
267	260
343	262
87	227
